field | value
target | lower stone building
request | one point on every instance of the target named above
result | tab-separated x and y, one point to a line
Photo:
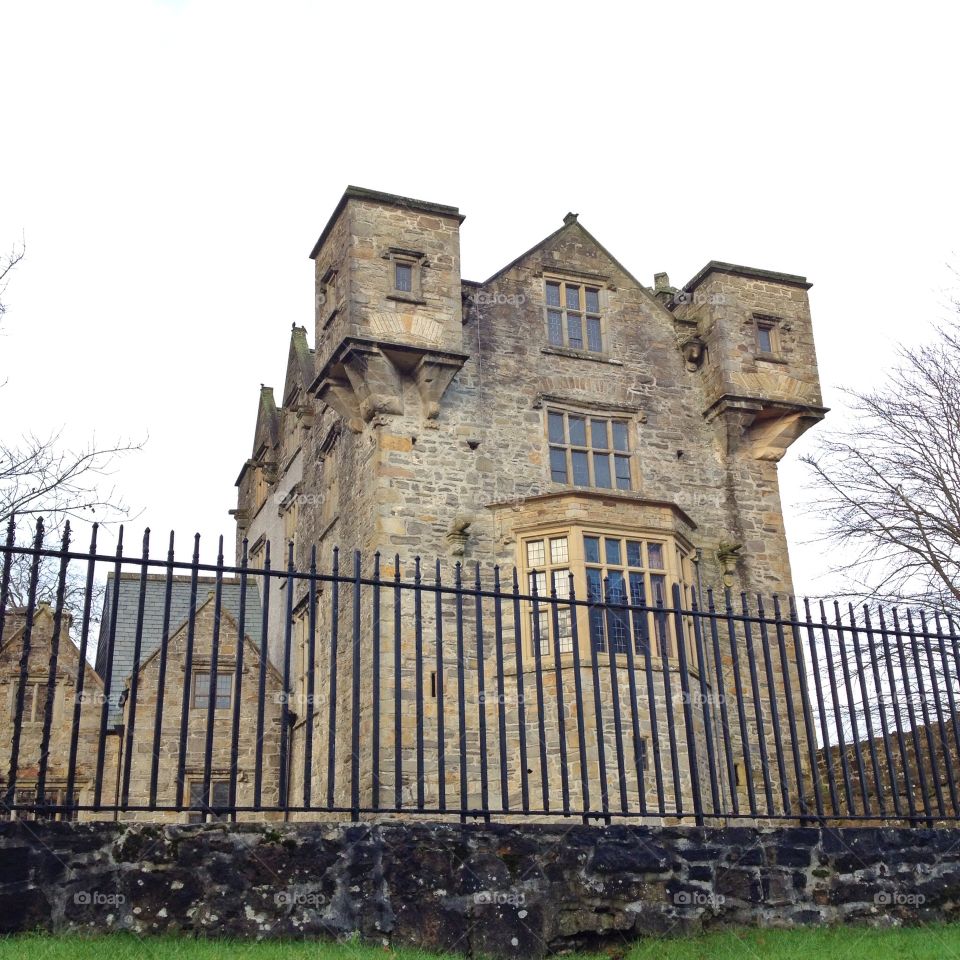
73	698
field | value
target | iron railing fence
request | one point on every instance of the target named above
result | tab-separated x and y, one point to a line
247	691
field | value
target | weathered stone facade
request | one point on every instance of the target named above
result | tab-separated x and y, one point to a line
447	419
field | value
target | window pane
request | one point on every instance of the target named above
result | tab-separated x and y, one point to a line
601	469
593	301
538	582
578	431
620	436
595	595
564	631
196	794
612	551
573	298
558	465
555	427
404	277
558	550
581	472
555	328
633	554
221	793
623	472
535	553
594	585
655	555
540	627
763	335
658	587
616	589
224	684
617	619
553	294
591	549
574	331
561	583
598	434
594	338
201	687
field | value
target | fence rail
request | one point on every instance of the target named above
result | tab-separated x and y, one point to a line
249	691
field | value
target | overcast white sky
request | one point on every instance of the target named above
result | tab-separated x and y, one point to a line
171	165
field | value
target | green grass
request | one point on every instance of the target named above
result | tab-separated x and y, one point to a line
841	943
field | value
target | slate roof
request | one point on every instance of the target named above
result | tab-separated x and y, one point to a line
126	629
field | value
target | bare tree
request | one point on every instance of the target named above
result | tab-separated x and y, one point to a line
889	484
7	264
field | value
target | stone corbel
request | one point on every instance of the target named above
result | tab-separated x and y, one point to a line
433	375
727	556
375	381
362	385
337	392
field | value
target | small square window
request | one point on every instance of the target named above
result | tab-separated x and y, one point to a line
768	344
201	691
403	277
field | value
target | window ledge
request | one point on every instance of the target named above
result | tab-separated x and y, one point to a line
581	355
769	358
407	298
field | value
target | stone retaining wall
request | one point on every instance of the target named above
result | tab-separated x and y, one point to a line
477	889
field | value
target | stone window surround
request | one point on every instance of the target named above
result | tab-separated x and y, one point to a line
591	412
582	281
417	261
674	547
773	325
225	668
330	299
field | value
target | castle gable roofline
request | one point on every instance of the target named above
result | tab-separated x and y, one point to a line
299	364
267	431
387	199
753	273
570	222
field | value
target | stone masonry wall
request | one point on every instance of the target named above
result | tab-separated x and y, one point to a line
479	890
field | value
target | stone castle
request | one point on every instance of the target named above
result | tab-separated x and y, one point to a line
560	419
